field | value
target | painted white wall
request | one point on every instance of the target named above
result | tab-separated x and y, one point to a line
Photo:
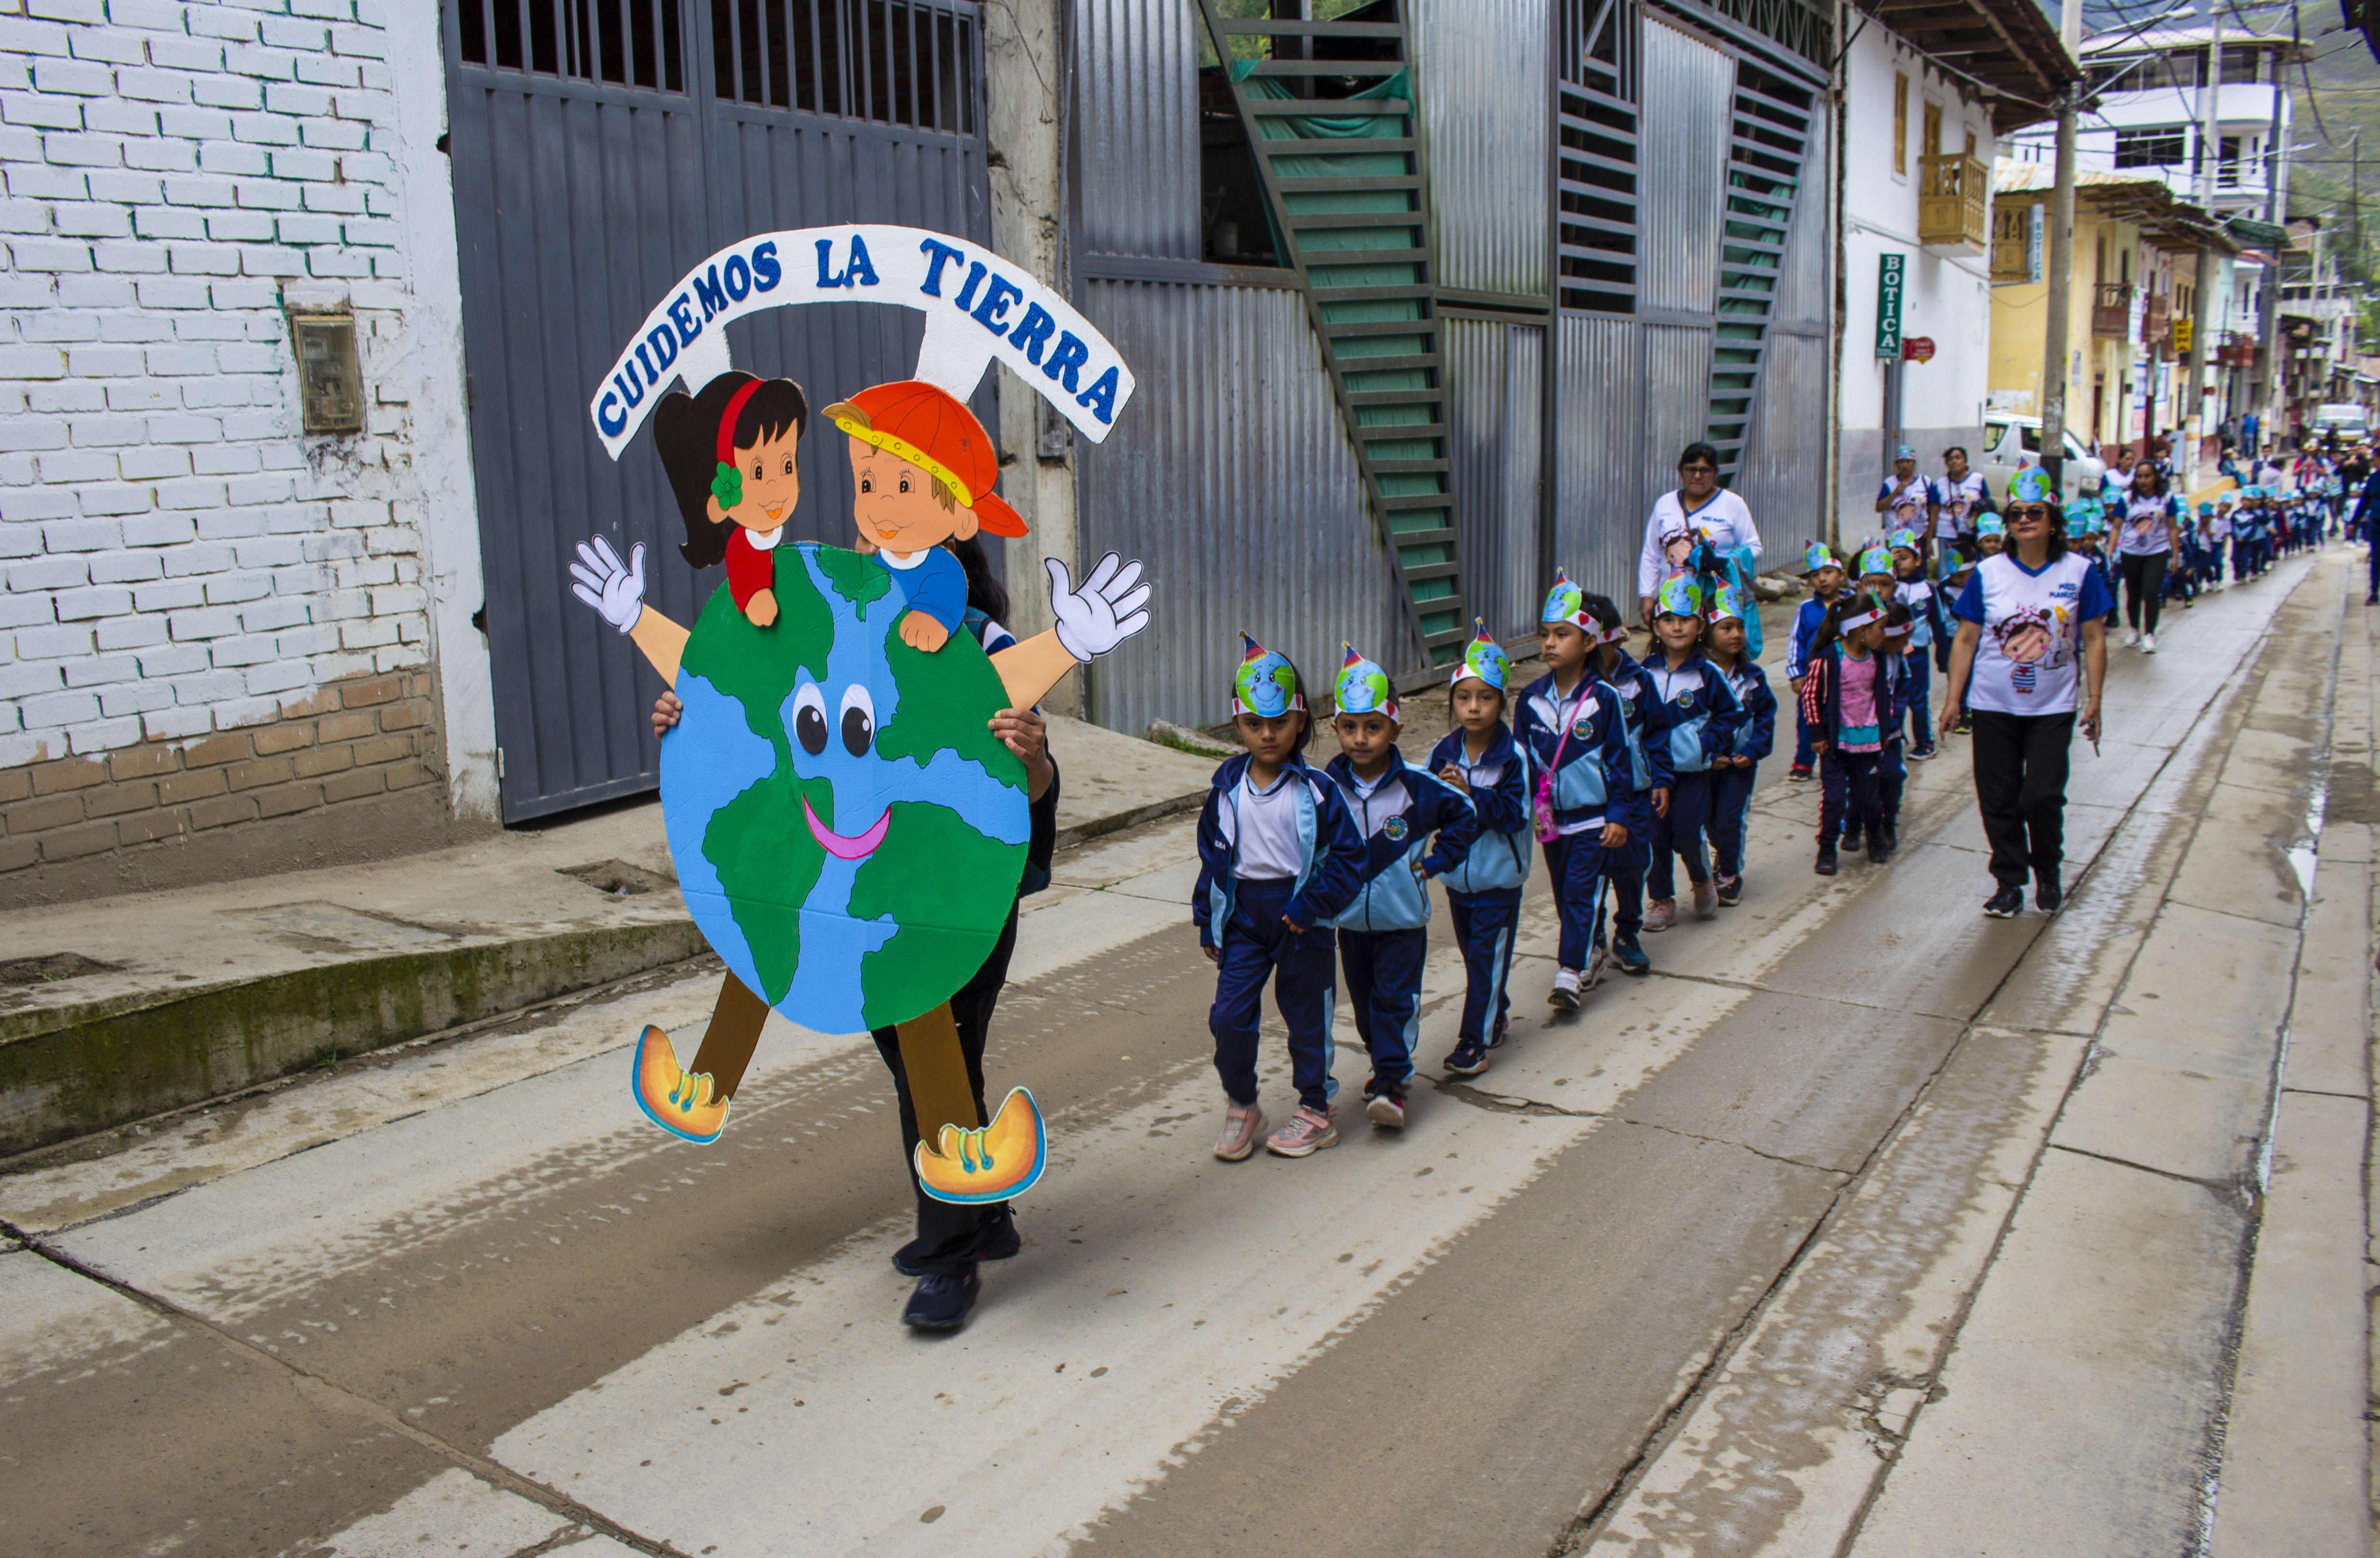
442	433
179	557
1946	297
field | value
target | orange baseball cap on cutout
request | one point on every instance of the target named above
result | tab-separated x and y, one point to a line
932	430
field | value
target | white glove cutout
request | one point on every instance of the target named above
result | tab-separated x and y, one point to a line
615	589
1107	611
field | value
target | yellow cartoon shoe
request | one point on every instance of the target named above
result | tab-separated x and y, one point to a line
993	1162
677	1101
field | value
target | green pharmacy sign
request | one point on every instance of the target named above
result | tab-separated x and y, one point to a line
1888	304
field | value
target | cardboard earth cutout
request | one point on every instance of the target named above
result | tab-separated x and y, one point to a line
849	830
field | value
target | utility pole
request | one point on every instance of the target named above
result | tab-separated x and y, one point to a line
2268	325
2054	372
2210	148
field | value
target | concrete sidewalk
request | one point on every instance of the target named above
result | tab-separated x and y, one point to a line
120	1009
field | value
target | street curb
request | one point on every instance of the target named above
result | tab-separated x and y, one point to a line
1098	827
68	1071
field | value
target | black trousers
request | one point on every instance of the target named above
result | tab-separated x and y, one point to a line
2143	590
2020	790
952	1238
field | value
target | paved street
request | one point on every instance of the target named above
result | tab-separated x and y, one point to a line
1864	1224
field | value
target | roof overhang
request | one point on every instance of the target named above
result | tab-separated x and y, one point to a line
2006	48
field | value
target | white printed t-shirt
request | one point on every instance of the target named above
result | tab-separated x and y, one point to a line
2029	657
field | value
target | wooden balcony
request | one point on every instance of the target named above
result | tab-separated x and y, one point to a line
1954	204
2111	311
2157	322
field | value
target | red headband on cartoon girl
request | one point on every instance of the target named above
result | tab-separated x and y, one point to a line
727	421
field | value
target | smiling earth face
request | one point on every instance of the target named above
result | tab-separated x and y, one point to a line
848	835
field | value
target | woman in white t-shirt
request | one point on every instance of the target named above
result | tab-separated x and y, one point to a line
1697	509
2031	654
2145	544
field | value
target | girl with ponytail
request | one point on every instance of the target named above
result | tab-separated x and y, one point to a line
729	451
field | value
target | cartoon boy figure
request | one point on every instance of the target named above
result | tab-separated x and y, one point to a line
922	469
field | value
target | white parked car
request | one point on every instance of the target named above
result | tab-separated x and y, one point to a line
2010	440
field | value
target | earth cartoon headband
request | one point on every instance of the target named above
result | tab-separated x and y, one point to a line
1726	603
1990	525
1864	618
1265	685
1876	559
1567	603
727	482
1679	597
1484	658
1902	540
1363	687
1818	556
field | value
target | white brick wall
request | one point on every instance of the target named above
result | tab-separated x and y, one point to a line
177	558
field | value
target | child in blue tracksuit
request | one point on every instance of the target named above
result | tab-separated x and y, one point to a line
1483	893
1582	758
1752	738
1278	859
1848	693
1928	625
1627	866
1700	712
1825	573
1382	937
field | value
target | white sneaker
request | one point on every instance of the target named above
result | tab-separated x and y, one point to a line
2148	644
2133	639
1565	991
1598	963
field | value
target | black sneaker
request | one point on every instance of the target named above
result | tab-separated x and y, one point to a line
1825	866
1878	852
1892	835
2005	904
2047	896
940	1301
1504	1026
1467	1059
1630	957
1000	1241
1731	891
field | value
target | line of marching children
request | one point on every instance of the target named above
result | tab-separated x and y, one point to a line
1859	665
1617	770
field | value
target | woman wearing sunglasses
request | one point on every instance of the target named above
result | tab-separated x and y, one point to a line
2029	657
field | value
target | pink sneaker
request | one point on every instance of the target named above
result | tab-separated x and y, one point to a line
1241	1124
1705	901
1660	914
1307	1133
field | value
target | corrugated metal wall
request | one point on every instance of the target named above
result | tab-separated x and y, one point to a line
1136	154
1783	476
1599	508
1495	377
1689	88
1233	479
1677	402
1488	128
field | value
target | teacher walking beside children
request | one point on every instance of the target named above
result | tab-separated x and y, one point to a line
1698	508
2028	664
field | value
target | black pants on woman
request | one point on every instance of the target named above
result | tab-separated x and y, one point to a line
2020	790
2143	590
952	1238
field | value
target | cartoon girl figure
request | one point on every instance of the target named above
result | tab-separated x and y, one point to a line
2025	637
729	455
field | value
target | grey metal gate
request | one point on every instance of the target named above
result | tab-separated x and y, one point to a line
601	148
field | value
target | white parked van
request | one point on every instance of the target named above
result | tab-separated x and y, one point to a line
2343	417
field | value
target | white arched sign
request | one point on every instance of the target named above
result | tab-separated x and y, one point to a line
978	308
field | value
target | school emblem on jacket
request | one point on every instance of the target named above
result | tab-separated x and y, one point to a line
1395	828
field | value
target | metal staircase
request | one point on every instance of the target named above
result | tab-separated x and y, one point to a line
1342	175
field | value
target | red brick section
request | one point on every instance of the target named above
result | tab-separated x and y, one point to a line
364	737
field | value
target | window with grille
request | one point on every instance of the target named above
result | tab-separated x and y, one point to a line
628	42
2151	148
895	62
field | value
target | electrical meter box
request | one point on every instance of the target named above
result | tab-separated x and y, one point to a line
330	380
